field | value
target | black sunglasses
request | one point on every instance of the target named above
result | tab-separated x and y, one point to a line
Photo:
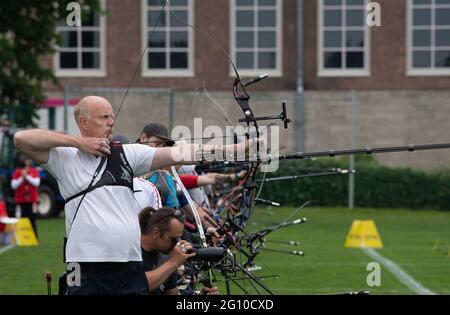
177	213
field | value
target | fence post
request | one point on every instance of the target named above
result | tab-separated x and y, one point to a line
171	109
351	160
299	120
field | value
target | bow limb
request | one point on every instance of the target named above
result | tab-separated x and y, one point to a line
227	119
196	216
192	205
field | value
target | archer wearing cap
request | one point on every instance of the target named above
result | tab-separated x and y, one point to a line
155	135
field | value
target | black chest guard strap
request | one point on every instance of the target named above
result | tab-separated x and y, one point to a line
118	172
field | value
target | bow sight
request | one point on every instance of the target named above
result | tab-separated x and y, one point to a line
243	101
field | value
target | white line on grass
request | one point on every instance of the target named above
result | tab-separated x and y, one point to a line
5	249
398	272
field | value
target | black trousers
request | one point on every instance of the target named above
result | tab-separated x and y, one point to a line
27	212
106	278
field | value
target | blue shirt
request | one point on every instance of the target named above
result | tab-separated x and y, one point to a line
171	199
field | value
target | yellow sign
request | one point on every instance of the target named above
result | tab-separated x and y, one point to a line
363	234
25	234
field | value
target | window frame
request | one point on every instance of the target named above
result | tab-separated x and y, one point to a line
145	71
411	71
278	71
82	72
343	72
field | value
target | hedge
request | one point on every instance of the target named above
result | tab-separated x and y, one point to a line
376	185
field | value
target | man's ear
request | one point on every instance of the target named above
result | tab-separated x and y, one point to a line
83	123
156	234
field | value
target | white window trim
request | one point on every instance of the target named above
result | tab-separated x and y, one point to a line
321	71
278	72
147	73
82	72
410	70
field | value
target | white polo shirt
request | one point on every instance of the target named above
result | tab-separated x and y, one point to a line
106	228
146	194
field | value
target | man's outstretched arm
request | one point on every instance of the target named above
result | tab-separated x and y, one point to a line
36	143
192	153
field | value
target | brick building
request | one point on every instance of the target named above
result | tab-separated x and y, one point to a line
315	51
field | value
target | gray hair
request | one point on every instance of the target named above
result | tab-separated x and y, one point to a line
81	110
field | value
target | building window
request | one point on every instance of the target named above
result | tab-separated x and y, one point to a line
429	37
256	36
81	51
170	41
343	38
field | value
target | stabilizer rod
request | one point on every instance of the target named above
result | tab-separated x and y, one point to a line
368	150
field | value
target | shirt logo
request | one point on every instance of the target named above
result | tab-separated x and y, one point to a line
125	174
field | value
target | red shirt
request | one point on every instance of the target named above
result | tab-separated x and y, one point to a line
26	193
189	181
3	213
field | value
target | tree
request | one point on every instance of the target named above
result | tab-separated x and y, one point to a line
27	36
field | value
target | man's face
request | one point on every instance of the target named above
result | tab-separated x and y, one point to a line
152	141
167	241
99	123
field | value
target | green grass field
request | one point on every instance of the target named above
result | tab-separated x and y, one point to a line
417	241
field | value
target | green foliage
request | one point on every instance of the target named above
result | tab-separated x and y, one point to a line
375	185
28	35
